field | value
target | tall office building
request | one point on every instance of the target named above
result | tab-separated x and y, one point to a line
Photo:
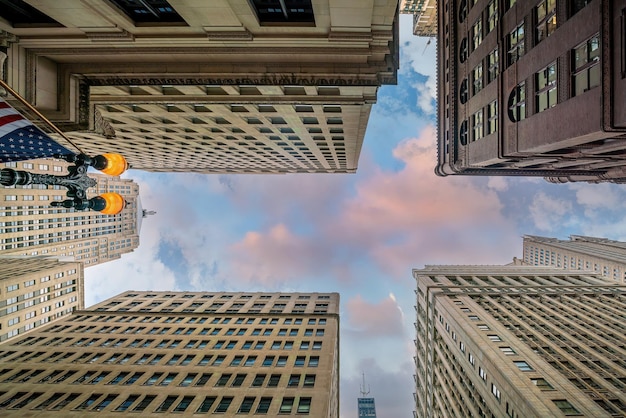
190	353
519	341
603	256
260	86
424	16
366	405
30	226
532	88
37	290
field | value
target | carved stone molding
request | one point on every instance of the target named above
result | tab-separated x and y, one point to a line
7	38
120	36
228	35
234	80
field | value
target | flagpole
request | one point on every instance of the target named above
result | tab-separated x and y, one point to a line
39	115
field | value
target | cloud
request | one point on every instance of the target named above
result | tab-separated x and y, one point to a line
402	217
275	257
548	212
372	320
497	183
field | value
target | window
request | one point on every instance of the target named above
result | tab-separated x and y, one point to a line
133	378
127	403
546	88
471	359
150	11
286	406
258	380
236	361
219	360
314	361
541	383
250	361
117	379
494	337
264	405
517	103
508	351
294	381
492	117
545	16
206	404
304	406
224	404
295	12
578	5
238	380
523	366
268	361
477	133
188	379
223	380
566	407
153	379
463	50
463	91
273	381
463	134
300	361
246	404
317	345
204	378
309	381
282	361
482	373
183	404
492	15
496	392
477	78
167	403
477	33
89	401
515	44
492	66
586	69
143	404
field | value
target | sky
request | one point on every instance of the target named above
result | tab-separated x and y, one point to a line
357	234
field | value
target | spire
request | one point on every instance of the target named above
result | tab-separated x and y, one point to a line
364	393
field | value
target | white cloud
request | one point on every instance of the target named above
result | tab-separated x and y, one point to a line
497	183
548	213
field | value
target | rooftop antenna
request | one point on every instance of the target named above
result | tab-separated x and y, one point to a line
363	392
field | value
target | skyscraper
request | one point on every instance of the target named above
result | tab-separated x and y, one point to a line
37	290
366	405
230	86
518	341
30	226
190	353
603	256
531	88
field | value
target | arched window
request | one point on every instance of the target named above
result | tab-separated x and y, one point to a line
463	133
463	92
463	50
462	10
517	103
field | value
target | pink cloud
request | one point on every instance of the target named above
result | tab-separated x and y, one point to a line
273	257
400	218
396	219
371	320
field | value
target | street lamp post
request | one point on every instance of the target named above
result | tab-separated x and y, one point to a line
76	181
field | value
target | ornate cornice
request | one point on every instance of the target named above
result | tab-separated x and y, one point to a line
275	79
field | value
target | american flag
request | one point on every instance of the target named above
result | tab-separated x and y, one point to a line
21	140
